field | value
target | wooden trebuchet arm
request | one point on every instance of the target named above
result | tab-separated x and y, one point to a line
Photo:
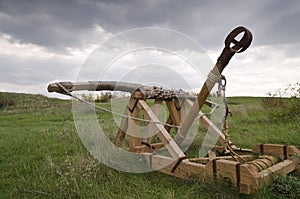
232	46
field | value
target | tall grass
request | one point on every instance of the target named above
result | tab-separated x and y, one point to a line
43	157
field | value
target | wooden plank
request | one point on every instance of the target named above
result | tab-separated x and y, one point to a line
143	148
293	153
174	113
134	127
227	169
283	167
119	141
189	120
211	155
187	106
132	104
169	121
185	170
178	103
206	160
210	126
277	150
137	95
163	135
251	180
150	130
243	175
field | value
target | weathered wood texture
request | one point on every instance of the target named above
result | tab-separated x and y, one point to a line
263	162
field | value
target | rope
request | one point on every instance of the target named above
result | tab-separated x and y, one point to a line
229	149
225	127
213	78
67	92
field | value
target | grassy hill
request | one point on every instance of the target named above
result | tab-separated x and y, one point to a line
43	157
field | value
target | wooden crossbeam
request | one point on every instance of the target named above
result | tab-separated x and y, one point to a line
209	125
163	134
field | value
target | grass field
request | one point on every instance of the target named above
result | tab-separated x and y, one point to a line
43	157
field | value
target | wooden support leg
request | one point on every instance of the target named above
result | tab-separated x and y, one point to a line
185	108
122	130
169	121
134	126
174	113
150	129
174	108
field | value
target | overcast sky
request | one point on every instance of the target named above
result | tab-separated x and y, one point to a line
44	41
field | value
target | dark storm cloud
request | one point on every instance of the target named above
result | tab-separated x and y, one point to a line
53	24
60	24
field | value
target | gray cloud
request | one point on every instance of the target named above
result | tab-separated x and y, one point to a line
52	24
60	24
32	71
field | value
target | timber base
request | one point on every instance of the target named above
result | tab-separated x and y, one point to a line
255	167
261	165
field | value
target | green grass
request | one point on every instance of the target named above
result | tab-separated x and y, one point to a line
251	124
43	157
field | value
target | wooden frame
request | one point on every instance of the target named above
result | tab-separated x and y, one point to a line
249	177
262	162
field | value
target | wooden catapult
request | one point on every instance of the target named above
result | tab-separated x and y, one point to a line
247	169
